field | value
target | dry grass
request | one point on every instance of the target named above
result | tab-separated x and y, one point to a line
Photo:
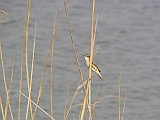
87	106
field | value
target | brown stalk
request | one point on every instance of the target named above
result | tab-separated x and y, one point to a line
11	87
73	98
38	107
45	63
26	39
95	51
124	107
82	113
72	39
3	115
119	88
51	67
32	70
20	81
76	57
5	84
88	89
94	105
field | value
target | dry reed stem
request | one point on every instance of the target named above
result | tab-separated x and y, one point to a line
95	29
67	93
119	88
3	115
76	57
65	106
71	104
7	91
92	40
20	81
124	107
101	100
45	63
26	54
93	109
94	53
108	96
12	73
5	84
78	87
51	67
32	69
7	104
38	106
88	88
82	112
38	100
72	39
10	88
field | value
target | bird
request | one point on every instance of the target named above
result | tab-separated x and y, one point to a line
94	67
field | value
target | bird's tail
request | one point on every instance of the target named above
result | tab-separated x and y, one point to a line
100	76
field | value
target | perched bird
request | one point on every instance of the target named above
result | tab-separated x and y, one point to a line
94	67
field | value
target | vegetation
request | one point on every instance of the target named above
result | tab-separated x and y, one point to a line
87	107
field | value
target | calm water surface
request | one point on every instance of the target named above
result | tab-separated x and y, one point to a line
129	25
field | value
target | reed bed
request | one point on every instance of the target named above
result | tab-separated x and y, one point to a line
87	106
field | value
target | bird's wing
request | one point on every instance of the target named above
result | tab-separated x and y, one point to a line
95	66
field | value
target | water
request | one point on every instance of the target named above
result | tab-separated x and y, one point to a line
132	26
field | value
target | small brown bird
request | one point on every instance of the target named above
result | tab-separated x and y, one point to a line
94	67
